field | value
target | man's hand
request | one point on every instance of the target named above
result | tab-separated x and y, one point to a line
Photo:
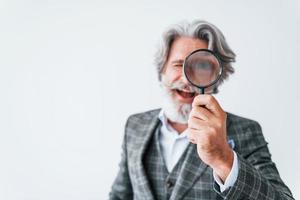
207	129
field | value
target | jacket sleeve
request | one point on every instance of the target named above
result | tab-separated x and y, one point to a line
258	177
122	188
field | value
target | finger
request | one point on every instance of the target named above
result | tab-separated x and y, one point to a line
193	141
198	124
197	136
201	113
193	135
209	102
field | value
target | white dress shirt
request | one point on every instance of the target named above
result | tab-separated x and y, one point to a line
173	145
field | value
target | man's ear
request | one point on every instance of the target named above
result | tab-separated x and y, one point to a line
162	73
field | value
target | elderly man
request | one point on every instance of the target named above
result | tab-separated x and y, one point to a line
192	148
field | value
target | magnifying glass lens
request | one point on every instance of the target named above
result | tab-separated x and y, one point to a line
202	68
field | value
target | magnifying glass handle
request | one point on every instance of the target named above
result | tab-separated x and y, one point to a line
202	90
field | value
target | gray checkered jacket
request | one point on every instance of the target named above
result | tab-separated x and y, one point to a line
257	178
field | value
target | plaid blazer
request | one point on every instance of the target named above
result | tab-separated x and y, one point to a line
257	178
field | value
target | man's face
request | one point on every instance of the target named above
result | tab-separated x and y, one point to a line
179	91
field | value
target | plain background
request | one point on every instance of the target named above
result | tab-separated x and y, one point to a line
71	72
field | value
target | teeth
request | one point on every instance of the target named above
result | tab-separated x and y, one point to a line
186	94
185	91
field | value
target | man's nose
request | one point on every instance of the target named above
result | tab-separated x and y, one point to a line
184	79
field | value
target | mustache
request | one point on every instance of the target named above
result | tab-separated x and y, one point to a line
180	85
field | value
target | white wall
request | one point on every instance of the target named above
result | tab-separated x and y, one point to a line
72	71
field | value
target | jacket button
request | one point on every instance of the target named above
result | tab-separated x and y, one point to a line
169	184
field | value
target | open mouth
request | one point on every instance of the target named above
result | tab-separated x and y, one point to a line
185	94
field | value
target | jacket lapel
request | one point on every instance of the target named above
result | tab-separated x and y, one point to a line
148	128
192	168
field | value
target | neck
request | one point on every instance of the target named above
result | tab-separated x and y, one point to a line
177	126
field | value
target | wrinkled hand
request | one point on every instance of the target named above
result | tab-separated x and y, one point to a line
207	129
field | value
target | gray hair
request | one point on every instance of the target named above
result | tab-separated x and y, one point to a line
200	30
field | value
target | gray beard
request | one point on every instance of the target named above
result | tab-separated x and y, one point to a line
175	111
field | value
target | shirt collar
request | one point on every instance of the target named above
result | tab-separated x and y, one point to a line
165	125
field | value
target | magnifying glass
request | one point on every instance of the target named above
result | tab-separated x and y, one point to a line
202	68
